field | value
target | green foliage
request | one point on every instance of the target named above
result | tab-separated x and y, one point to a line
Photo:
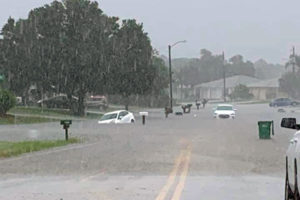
9	149
72	47
156	94
161	77
210	67
289	83
132	71
264	70
40	111
241	92
11	119
237	66
7	101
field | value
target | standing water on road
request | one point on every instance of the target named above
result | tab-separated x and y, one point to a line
160	107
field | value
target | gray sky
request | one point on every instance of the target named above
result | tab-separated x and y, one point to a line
254	28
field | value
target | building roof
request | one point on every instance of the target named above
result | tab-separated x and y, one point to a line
231	82
271	83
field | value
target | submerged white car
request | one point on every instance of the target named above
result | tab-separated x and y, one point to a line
224	111
117	117
292	185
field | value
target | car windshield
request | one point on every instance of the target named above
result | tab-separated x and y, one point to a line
224	108
149	99
109	116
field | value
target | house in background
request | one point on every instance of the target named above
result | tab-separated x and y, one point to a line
214	89
261	89
266	89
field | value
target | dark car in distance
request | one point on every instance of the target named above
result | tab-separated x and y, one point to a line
283	102
98	101
60	101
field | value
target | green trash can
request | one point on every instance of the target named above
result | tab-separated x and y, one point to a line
264	128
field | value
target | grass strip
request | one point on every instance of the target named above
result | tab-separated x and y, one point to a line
11	119
40	111
9	149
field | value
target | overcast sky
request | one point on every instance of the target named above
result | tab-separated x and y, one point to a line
254	28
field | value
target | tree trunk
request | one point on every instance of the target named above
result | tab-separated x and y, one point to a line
126	102
81	107
26	97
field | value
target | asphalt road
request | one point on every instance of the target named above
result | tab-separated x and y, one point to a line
182	157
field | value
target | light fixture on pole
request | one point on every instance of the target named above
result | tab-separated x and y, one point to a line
170	71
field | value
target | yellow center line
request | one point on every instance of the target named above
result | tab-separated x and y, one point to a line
181	183
164	191
92	176
101	196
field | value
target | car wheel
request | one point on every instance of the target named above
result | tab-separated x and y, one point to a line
287	190
296	191
132	120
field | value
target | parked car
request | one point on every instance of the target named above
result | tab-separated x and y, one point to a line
292	161
224	111
117	117
59	101
99	102
283	102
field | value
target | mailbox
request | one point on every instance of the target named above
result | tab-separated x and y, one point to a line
144	114
66	124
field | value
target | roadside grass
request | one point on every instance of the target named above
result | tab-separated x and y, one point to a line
11	119
9	149
91	115
63	113
39	115
39	111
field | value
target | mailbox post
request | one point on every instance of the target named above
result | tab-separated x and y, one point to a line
66	125
144	114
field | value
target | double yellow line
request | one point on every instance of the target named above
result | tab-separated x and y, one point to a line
181	166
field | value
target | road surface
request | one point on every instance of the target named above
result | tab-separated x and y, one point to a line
182	157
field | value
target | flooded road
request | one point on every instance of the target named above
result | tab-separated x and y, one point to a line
182	157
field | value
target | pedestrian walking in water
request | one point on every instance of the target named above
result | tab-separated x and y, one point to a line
204	101
198	104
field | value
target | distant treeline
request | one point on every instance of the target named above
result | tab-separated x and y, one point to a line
209	67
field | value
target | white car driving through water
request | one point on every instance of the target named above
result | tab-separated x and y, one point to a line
117	117
224	111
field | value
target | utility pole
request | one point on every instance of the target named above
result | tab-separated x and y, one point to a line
224	76
170	76
294	60
170	71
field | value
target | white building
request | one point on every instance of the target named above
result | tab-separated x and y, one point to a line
214	89
266	89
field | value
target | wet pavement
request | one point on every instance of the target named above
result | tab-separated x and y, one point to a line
182	157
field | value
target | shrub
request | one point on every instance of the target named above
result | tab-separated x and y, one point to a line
241	92
7	101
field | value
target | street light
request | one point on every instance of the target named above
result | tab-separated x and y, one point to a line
224	76
170	71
